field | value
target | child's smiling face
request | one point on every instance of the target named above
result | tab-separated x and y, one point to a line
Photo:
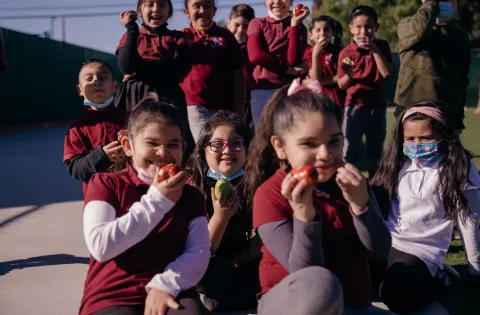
201	12
96	82
155	12
238	26
320	30
225	159
317	141
279	8
363	26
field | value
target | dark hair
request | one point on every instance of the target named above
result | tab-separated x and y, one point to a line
170	7
453	175
242	10
92	60
197	166
363	10
150	109
323	18
337	32
186	3
278	117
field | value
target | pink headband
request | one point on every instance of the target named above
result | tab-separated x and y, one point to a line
297	86
427	110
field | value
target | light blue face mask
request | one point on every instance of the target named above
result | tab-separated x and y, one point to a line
86	102
424	154
446	12
214	175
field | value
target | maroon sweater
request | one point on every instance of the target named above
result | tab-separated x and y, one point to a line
273	46
343	252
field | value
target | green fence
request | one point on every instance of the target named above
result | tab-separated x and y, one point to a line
40	84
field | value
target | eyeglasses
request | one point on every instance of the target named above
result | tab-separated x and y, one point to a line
219	146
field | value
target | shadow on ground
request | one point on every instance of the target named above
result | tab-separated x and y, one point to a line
49	260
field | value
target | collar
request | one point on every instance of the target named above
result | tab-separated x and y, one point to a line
107	109
131	177
145	29
202	32
271	20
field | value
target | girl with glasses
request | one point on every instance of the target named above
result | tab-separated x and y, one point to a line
231	281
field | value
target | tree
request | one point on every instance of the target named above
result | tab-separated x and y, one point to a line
390	12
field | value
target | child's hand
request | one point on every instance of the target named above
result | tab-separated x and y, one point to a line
297	20
300	198
319	47
158	302
128	16
172	187
111	150
362	41
127	77
354	187
225	209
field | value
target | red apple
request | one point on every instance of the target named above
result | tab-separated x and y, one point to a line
168	171
298	10
122	133
307	173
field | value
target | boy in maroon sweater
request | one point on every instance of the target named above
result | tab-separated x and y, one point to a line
362	68
237	24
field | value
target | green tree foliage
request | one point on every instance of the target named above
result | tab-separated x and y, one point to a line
390	12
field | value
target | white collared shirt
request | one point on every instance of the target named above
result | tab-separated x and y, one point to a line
417	218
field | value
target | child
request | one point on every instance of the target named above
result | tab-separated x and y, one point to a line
322	57
311	234
434	59
153	58
365	105
91	144
231	279
276	44
237	24
216	79
432	184
148	240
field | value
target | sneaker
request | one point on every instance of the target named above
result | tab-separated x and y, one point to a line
209	303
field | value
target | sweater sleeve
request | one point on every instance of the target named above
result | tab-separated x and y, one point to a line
469	231
82	167
297	43
127	52
294	244
187	270
256	51
107	236
372	231
418	27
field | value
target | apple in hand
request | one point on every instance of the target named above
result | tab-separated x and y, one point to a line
298	10
307	173
168	171
122	133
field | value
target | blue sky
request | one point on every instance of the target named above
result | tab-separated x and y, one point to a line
101	33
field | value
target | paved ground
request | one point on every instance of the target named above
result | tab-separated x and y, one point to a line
43	260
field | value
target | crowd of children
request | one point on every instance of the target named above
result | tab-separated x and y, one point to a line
296	227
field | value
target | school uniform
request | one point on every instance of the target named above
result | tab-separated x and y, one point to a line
139	240
328	60
159	59
209	86
248	73
230	287
337	240
365	104
421	236
83	147
273	47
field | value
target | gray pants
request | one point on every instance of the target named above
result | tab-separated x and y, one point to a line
198	116
309	291
371	122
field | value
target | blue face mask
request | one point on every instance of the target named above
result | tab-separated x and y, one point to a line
424	153
86	102
446	12
214	175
